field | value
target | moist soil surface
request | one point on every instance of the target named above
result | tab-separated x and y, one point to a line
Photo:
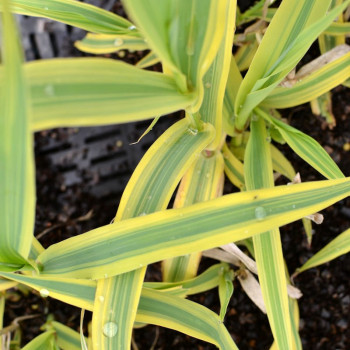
79	188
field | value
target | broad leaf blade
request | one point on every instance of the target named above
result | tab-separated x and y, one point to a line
17	178
115	248
93	91
185	35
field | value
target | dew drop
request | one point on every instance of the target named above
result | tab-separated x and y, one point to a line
110	329
118	42
105	275
132	27
49	90
44	293
142	214
46	8
193	131
101	298
260	213
255	118
207	85
293	206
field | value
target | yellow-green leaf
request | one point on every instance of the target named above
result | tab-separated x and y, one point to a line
233	168
114	249
306	147
45	341
67	338
215	79
204	180
185	35
96	91
76	14
108	43
184	316
267	246
17	178
149	190
312	86
337	247
291	32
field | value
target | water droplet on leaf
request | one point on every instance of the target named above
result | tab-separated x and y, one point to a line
193	131
44	293
260	213
49	90
110	329
118	42
101	298
132	27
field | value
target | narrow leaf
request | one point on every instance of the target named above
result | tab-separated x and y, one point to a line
114	249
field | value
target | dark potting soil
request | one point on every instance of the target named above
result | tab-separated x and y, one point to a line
80	177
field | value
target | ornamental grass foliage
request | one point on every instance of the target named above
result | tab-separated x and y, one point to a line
231	128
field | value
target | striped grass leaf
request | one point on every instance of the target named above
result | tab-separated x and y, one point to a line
225	291
115	249
36	249
291	32
328	42
17	178
166	313
245	54
312	86
109	43
6	284
2	311
322	105
149	190
79	293
45	341
82	293
203	181
95	91
281	164
267	246
205	281
337	247
76	14
233	168
215	79
305	147
149	60
66	338
337	28
184	316
185	45
114	310
233	83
